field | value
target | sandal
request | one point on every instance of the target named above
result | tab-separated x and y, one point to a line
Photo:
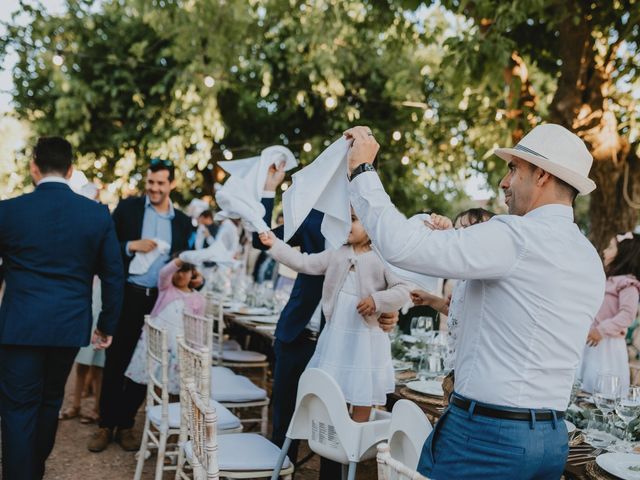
90	418
69	413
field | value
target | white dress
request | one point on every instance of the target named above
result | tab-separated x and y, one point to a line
170	317
609	356
355	354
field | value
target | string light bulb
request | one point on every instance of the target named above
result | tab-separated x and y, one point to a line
306	147
209	81
396	135
405	160
284	186
228	154
57	60
330	102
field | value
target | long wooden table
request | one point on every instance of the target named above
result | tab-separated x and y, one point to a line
244	321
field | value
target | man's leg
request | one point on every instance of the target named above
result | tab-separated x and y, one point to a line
21	382
290	361
58	363
118	356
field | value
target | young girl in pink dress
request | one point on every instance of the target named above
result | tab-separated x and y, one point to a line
174	296
606	350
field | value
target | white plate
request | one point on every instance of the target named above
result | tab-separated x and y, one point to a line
400	366
252	311
570	426
267	319
428	387
619	464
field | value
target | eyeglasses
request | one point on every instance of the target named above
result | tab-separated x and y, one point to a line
156	162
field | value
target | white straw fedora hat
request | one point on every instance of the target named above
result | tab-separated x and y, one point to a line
555	150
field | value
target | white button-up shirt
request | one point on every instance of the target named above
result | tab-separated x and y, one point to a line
535	283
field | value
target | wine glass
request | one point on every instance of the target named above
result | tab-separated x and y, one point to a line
597	432
418	326
606	393
628	407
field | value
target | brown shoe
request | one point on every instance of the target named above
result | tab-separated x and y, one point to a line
127	441
100	440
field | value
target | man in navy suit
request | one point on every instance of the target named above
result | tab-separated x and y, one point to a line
53	242
299	324
140	222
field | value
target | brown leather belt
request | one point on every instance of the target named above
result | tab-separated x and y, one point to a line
508	413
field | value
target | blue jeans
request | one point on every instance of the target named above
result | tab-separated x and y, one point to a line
463	445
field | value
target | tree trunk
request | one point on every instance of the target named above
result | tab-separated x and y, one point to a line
580	104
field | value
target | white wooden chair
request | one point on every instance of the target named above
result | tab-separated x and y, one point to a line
235	392
321	417
391	469
227	357
156	433
237	455
195	368
202	449
408	431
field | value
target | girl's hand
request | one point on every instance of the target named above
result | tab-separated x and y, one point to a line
594	337
439	222
367	306
420	297
267	238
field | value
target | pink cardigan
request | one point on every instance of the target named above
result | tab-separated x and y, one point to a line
388	291
619	307
167	293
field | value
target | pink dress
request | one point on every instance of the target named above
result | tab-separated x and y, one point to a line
166	313
618	310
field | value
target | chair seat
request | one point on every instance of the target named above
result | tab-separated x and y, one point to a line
220	372
244	452
241	356
226	419
236	389
231	345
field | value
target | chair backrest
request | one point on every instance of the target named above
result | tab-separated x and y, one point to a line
198	331
215	311
391	469
195	369
202	429
157	367
408	431
321	417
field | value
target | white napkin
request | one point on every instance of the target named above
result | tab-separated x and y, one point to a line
322	185
425	282
216	252
240	196
142	261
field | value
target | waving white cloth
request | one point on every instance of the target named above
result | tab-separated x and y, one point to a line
240	196
142	261
322	185
216	252
425	282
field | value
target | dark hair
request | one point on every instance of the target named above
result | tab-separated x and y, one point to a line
158	164
206	214
627	260
570	191
53	155
187	267
475	215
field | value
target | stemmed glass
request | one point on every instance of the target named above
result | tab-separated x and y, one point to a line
418	326
628	408
606	394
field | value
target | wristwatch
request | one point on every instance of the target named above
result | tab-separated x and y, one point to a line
363	167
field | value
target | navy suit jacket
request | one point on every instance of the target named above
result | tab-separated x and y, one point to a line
128	217
53	241
307	289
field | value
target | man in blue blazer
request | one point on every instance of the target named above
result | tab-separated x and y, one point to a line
300	322
52	242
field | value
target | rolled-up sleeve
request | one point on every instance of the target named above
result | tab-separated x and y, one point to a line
483	251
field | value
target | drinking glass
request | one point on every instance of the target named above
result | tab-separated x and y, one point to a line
628	407
606	393
597	432
418	326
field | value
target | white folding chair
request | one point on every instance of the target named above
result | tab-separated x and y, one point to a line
156	432
195	368
228	357
321	417
391	469
233	391
237	455
202	449
408	431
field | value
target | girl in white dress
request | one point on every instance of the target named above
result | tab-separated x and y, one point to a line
357	288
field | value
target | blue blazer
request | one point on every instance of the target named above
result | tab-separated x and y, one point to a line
53	242
307	289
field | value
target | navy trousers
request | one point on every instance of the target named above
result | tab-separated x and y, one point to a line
464	445
290	361
32	381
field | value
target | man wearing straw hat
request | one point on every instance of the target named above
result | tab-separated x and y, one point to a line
535	284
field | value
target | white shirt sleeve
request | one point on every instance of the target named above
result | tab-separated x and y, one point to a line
484	251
